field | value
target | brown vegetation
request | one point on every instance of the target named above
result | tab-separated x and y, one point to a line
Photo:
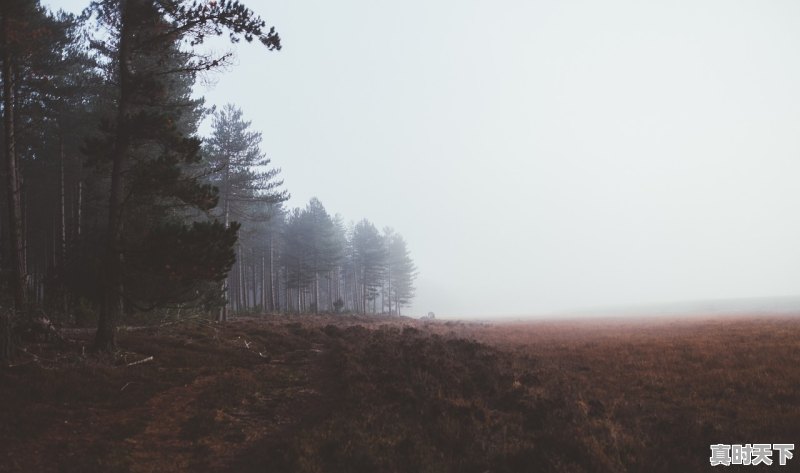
362	394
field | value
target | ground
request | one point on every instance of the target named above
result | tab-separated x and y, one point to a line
364	394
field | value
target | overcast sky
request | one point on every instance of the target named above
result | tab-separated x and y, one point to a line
543	156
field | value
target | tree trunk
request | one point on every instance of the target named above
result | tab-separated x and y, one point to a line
223	311
272	302
62	231
236	302
242	282
254	281
62	247
80	210
263	284
286	300
111	285
316	292
17	261
364	291
6	340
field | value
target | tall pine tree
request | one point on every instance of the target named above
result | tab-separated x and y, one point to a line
400	273
147	149
248	186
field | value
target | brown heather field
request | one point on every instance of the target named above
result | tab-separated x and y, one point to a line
373	394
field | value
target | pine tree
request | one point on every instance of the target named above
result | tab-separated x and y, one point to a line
324	252
45	78
18	21
148	150
236	166
338	291
400	274
58	93
369	260
235	162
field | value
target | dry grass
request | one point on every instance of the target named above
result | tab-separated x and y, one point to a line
357	394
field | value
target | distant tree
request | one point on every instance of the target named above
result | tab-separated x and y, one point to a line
269	233
237	165
240	170
324	248
312	250
296	256
400	274
252	280
369	262
337	274
328	267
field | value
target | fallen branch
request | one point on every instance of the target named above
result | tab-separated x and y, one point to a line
145	360
14	365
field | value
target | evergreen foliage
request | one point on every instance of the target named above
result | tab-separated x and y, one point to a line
115	204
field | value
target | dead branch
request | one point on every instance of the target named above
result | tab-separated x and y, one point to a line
145	360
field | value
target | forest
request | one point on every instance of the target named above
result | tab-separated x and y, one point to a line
116	208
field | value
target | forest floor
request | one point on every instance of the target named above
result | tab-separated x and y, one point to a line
377	394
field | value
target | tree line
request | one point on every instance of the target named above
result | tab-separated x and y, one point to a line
114	205
299	260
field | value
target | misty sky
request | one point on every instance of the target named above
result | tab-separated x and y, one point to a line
542	156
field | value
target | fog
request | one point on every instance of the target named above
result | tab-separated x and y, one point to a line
543	156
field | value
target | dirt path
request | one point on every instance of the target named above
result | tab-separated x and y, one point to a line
189	429
205	403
